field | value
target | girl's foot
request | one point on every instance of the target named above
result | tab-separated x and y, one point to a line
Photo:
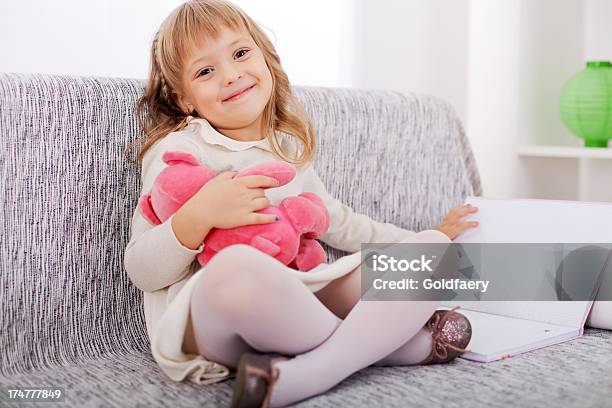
255	378
451	332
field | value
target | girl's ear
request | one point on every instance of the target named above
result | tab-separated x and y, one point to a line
183	103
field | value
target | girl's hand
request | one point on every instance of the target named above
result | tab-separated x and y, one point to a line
227	202
452	225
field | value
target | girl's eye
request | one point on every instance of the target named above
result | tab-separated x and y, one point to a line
202	71
243	50
238	53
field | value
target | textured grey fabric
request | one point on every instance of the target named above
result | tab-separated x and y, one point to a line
572	374
67	196
71	317
399	158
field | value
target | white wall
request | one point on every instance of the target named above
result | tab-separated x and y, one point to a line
598	33
413	45
492	95
552	50
76	37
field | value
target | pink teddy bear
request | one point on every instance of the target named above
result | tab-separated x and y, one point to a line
291	239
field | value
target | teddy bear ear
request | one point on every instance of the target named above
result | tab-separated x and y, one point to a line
177	157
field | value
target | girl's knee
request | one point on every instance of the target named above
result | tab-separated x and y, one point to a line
231	263
228	297
238	274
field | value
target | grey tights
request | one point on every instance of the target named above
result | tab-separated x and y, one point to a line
250	303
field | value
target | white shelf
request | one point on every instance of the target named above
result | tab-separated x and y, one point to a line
585	171
572	152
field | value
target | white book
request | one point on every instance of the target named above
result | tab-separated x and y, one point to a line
502	329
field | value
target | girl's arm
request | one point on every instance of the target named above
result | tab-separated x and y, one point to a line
154	257
348	229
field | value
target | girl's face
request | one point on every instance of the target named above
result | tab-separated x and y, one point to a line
220	68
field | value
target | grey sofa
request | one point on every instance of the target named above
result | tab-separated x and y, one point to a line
71	317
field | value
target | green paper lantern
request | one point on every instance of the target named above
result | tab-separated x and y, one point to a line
586	104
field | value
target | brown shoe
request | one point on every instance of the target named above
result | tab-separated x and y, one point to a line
255	378
451	332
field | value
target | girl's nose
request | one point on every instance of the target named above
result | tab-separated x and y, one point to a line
233	77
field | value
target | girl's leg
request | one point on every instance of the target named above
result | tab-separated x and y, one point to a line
247	301
371	331
341	295
412	352
292	320
600	315
244	301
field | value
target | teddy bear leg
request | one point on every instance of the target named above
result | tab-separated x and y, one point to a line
206	255
310	254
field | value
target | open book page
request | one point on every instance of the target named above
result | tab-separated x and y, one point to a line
532	220
537	221
505	328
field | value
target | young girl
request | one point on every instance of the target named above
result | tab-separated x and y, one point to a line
217	90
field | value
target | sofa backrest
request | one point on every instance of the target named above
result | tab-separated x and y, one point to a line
67	194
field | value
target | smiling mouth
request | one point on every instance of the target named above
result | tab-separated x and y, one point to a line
238	95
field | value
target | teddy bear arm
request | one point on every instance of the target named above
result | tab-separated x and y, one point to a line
307	216
146	209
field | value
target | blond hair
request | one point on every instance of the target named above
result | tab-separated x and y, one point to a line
177	35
